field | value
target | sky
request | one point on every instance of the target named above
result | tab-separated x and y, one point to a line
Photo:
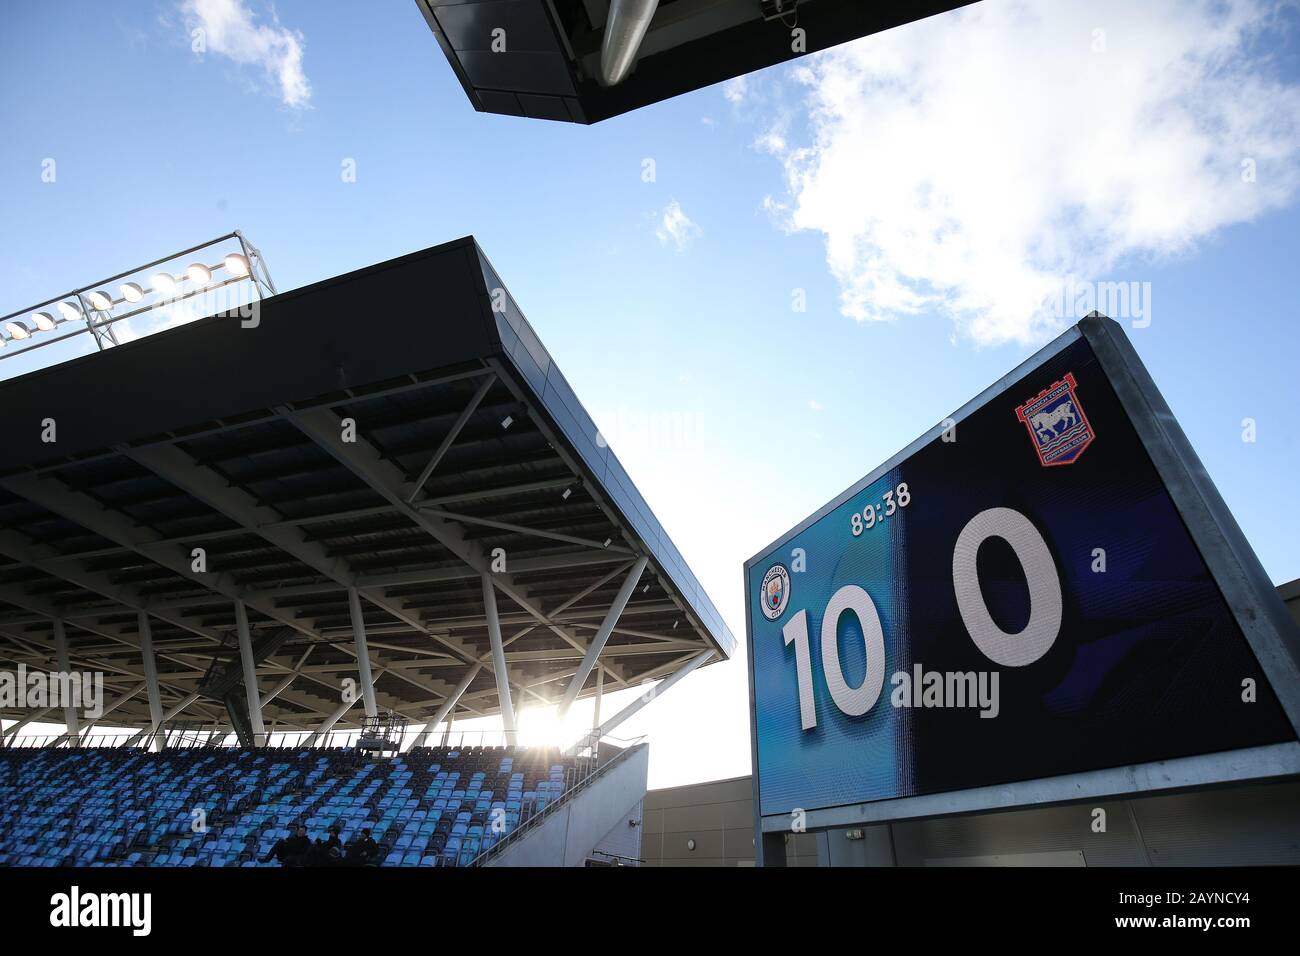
760	290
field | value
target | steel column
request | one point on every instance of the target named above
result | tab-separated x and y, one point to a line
328	723
250	673
422	736
151	681
61	655
180	706
498	657
488	381
293	675
658	690
602	635
363	652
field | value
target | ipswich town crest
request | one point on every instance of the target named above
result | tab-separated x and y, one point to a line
1057	424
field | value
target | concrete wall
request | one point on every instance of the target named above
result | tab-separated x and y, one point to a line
1257	824
719	817
586	820
622	844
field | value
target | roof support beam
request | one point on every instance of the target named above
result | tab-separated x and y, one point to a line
518	566
116	527
151	681
328	723
479	393
498	657
249	663
173	465
61	655
523	529
421	738
478	494
12	731
124	698
602	635
363	652
110	633
176	708
360	457
43	558
281	687
654	693
413	384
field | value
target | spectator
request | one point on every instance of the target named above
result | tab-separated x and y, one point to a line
291	851
363	850
327	852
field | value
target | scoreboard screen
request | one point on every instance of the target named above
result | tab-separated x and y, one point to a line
1015	597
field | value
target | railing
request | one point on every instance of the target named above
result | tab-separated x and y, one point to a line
286	740
537	819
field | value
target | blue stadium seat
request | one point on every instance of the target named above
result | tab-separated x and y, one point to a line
129	807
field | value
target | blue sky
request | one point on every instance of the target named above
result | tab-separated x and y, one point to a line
924	190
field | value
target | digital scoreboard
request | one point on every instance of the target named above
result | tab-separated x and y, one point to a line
1042	599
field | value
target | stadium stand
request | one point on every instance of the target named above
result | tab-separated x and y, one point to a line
433	806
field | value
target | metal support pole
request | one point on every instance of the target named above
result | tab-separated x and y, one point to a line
655	692
90	725
250	674
600	693
12	730
498	658
451	436
61	655
602	635
151	681
281	687
423	735
328	723
180	706
363	653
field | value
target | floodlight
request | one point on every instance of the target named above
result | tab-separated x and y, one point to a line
92	306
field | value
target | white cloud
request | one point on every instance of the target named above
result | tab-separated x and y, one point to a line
229	30
815	405
676	227
978	162
735	89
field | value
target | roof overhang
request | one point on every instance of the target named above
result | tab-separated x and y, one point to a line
229	434
541	58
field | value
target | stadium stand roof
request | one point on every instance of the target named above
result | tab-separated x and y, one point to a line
234	439
551	65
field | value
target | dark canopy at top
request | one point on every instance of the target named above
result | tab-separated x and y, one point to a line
542	58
